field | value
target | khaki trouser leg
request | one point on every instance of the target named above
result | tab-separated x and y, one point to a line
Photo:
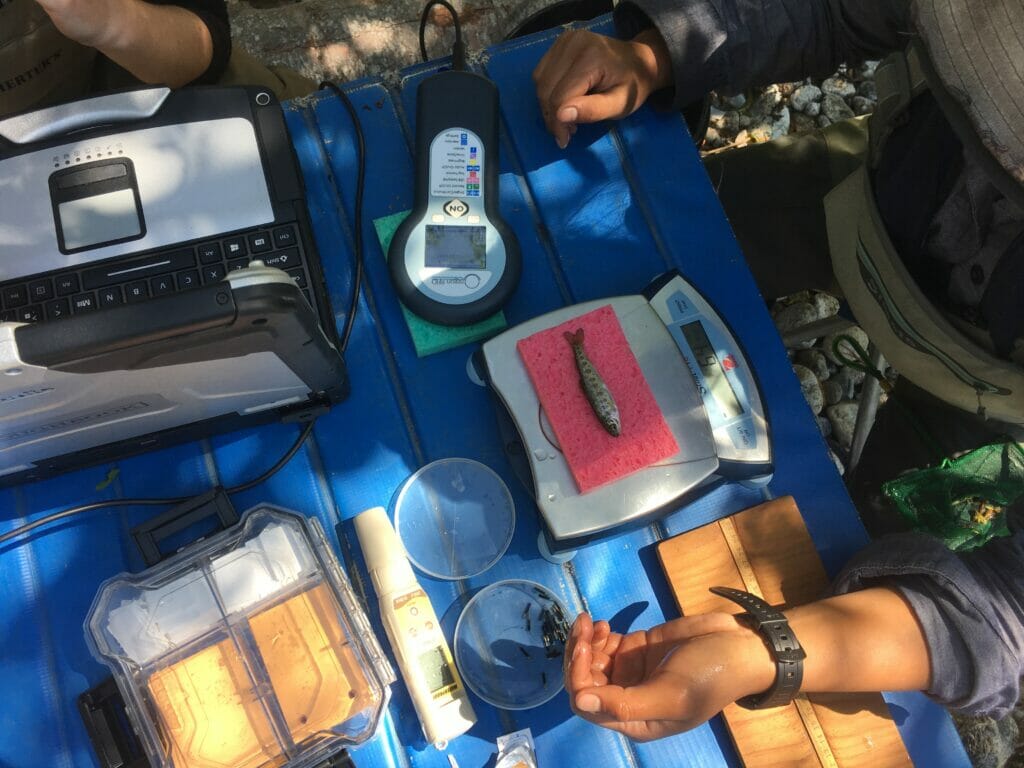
773	195
245	69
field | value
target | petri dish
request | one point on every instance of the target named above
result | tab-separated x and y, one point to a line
509	643
455	518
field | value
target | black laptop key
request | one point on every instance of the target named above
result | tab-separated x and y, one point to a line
110	297
188	279
123	271
298	276
237	264
32	314
67	284
213	273
259	242
83	302
235	247
162	285
136	291
15	296
57	309
282	259
210	253
40	290
284	237
8	316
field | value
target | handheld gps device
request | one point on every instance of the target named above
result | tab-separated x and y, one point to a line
453	261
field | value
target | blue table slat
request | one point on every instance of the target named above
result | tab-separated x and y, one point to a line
622	204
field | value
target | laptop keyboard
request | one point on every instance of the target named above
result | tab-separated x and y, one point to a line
135	279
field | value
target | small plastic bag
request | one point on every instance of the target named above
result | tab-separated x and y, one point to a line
516	750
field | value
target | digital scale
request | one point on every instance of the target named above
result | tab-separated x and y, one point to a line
702	382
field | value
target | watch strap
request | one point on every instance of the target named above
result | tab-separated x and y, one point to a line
782	643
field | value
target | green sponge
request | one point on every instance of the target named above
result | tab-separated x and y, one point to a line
429	338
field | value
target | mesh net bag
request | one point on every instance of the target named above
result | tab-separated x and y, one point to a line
963	501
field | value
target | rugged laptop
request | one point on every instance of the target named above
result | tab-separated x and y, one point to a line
130	315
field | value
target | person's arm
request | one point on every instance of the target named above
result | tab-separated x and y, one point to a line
732	45
157	43
690	47
970	606
676	676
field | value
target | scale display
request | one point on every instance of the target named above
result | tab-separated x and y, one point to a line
714	377
455	247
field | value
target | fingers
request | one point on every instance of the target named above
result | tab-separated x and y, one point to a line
581	64
581	635
656	699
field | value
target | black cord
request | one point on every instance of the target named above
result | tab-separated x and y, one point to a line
458	49
358	236
169	501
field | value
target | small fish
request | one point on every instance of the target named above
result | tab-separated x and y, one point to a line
594	388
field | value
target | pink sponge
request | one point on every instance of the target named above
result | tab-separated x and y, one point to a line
594	456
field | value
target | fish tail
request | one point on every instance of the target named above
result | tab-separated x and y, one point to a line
574	338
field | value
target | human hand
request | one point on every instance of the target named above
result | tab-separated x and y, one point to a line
664	680
95	23
586	77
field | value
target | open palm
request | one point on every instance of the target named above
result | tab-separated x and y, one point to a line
658	682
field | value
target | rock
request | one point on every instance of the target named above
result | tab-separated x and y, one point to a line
811	388
802	123
837	462
780	127
868	90
825	426
832	390
745	121
989	743
760	133
855	333
849	379
844	419
813	109
815	361
867	69
803	96
764	105
711	137
795	316
862	106
734	102
826	304
726	123
838	86
731	122
824	121
834	108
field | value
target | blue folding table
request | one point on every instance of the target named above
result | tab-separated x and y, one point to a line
623	204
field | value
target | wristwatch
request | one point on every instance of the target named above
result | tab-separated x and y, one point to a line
785	649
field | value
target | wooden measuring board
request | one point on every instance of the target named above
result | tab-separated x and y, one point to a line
767	551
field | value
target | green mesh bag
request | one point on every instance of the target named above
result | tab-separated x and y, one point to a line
962	501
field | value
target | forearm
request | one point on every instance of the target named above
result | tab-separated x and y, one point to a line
731	45
862	641
161	44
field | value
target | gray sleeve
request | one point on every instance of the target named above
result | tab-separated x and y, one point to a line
732	45
970	606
